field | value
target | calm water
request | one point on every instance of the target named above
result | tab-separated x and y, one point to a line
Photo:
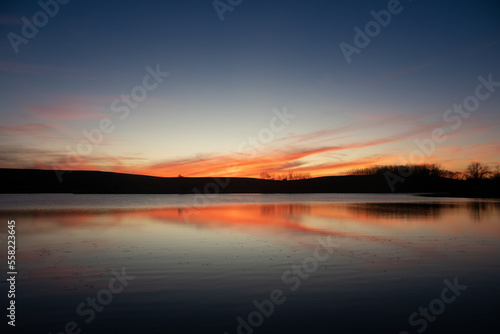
325	263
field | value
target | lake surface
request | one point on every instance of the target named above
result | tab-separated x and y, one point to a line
314	263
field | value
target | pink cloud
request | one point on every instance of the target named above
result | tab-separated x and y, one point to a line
32	130
68	112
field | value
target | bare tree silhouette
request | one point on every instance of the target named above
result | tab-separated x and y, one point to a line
477	171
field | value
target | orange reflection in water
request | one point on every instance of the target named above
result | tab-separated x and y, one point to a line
419	230
461	218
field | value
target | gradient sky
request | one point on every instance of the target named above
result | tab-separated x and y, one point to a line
228	79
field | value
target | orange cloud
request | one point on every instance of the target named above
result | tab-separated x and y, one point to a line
288	157
319	153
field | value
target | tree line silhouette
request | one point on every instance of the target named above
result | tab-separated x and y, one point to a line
475	171
285	177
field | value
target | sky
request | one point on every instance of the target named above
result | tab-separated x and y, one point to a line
241	87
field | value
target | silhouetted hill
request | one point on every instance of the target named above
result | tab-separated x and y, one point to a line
93	182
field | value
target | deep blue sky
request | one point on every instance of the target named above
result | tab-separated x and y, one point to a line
226	77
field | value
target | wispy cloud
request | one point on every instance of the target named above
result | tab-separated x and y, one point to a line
36	132
68	112
284	159
318	152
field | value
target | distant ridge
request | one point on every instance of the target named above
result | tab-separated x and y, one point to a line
95	182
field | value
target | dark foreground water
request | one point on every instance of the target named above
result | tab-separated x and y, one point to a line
252	264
